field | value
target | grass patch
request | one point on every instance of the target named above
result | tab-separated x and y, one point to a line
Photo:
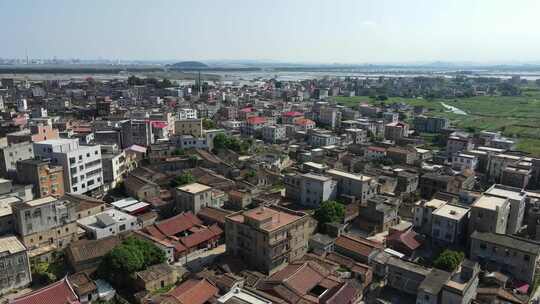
515	116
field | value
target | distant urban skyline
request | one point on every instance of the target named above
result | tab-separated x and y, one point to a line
343	31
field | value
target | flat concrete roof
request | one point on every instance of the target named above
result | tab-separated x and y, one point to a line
489	202
451	211
41	201
11	245
194	188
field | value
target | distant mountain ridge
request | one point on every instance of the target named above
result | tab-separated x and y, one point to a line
189	65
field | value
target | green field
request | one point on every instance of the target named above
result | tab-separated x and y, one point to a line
517	117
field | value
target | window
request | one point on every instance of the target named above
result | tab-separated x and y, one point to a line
526	257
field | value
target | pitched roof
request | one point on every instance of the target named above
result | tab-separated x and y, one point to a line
407	238
213	214
201	236
90	249
81	283
178	223
194	291
56	293
357	245
256	120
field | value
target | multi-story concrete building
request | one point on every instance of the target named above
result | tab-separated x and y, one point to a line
497	164
81	163
193	197
430	124
358	187
268	238
191	127
137	132
321	138
489	214
390	117
45	178
10	155
464	161
423	214
115	167
14	265
456	144
45	224
330	117
108	223
186	113
517	199
449	224
316	189
509	254
273	134
396	131
379	215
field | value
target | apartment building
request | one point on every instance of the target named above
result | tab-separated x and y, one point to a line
191	127
14	264
517	199
509	254
359	187
193	197
457	143
396	131
45	178
489	214
11	154
186	113
115	167
273	134
449	225
316	189
45	224
423	214
430	124
268	238
81	163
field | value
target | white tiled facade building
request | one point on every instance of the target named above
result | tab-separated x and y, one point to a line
82	164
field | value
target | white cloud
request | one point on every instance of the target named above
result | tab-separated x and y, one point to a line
369	23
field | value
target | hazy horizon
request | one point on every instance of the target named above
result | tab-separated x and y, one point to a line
301	31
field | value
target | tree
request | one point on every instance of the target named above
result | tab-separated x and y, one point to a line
329	212
221	141
183	179
449	260
131	256
208	124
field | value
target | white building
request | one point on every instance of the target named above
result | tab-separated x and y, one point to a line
82	164
449	224
316	189
186	113
464	161
107	223
273	134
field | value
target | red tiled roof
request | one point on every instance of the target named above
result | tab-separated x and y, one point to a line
304	122
292	114
201	236
407	238
256	120
246	110
357	245
56	293
178	223
194	292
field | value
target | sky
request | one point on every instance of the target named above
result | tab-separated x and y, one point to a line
311	31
